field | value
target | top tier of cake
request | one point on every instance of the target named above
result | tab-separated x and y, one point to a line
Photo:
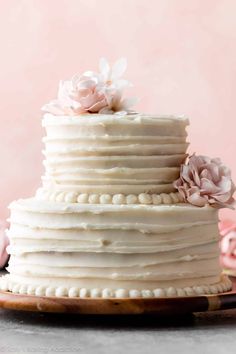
112	155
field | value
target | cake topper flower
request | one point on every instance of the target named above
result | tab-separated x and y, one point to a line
94	92
206	181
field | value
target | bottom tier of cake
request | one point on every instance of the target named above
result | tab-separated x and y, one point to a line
61	249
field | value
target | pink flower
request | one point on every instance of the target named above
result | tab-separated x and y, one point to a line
88	93
63	105
93	92
228	245
3	245
205	181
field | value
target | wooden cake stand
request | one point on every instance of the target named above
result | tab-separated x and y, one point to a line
113	306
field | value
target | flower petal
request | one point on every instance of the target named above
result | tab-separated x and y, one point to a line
223	198
186	173
86	84
53	107
105	110
196	177
104	68
214	171
226	185
97	106
205	174
224	170
208	187
64	89
118	68
90	74
126	103
197	200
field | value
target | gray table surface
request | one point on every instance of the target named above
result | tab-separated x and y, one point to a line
204	333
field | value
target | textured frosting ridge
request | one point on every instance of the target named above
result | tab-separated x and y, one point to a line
107	221
108	154
122	250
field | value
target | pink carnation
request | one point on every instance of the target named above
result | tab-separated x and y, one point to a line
205	181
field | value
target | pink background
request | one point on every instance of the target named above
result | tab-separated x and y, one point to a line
181	55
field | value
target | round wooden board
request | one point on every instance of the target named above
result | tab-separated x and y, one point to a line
128	306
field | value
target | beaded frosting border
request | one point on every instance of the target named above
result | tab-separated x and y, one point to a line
85	198
7	285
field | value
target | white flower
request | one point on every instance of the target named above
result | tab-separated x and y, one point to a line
113	86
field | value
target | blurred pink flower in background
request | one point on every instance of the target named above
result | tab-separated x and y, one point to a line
3	244
228	246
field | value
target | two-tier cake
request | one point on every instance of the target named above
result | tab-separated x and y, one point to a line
121	212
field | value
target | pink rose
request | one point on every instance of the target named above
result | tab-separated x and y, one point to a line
87	92
3	244
205	181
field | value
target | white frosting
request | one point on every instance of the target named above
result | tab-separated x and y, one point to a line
107	154
106	222
132	247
